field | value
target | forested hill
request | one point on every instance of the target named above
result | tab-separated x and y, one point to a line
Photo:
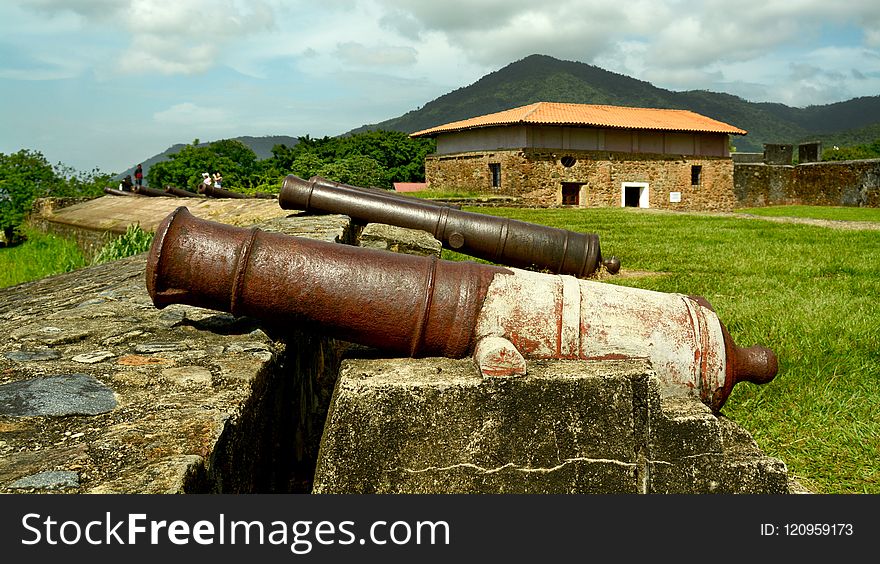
539	78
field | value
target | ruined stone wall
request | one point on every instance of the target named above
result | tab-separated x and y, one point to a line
837	183
539	175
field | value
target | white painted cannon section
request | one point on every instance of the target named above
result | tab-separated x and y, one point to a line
548	316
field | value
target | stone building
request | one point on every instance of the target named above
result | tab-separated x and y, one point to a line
588	156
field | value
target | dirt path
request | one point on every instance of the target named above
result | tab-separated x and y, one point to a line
831	223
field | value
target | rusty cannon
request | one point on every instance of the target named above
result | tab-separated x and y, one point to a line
212	191
115	192
496	239
180	192
423	306
147	191
381	192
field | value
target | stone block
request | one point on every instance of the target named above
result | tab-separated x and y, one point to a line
435	426
102	392
399	240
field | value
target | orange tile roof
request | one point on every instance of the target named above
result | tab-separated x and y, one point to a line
587	115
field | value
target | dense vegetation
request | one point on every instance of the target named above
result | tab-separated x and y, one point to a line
375	158
539	78
27	175
134	241
852	153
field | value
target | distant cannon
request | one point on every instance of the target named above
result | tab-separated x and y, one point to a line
497	239
423	306
213	192
181	193
145	191
116	192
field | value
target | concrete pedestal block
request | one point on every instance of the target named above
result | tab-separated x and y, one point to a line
399	240
437	426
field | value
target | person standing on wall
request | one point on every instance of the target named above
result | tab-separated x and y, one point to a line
139	176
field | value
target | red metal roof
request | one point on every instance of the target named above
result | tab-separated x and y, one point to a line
588	115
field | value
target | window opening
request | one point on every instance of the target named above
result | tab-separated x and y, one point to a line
696	175
495	169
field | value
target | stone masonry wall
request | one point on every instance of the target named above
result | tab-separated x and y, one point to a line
837	183
101	392
539	174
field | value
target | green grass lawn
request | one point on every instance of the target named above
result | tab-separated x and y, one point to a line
40	256
809	293
817	212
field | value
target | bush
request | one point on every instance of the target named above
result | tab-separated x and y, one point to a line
133	242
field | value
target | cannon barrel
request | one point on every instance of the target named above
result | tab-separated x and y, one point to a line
146	191
497	239
380	192
423	306
213	192
116	192
180	192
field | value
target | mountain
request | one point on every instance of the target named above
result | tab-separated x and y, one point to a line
539	78
262	146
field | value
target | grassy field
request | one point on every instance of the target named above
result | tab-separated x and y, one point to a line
809	293
40	256
817	212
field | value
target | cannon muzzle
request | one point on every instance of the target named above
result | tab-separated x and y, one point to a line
497	239
423	306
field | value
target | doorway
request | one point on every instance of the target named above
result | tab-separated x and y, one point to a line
571	193
634	195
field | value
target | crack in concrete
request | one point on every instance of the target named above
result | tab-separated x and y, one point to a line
512	466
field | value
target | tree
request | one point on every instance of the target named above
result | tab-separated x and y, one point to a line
400	158
358	170
852	153
24	177
233	159
184	169
27	175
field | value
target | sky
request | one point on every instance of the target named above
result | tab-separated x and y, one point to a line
108	83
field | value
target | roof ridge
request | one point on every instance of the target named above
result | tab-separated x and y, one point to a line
534	109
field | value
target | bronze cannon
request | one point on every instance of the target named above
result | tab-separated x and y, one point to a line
423	306
496	239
